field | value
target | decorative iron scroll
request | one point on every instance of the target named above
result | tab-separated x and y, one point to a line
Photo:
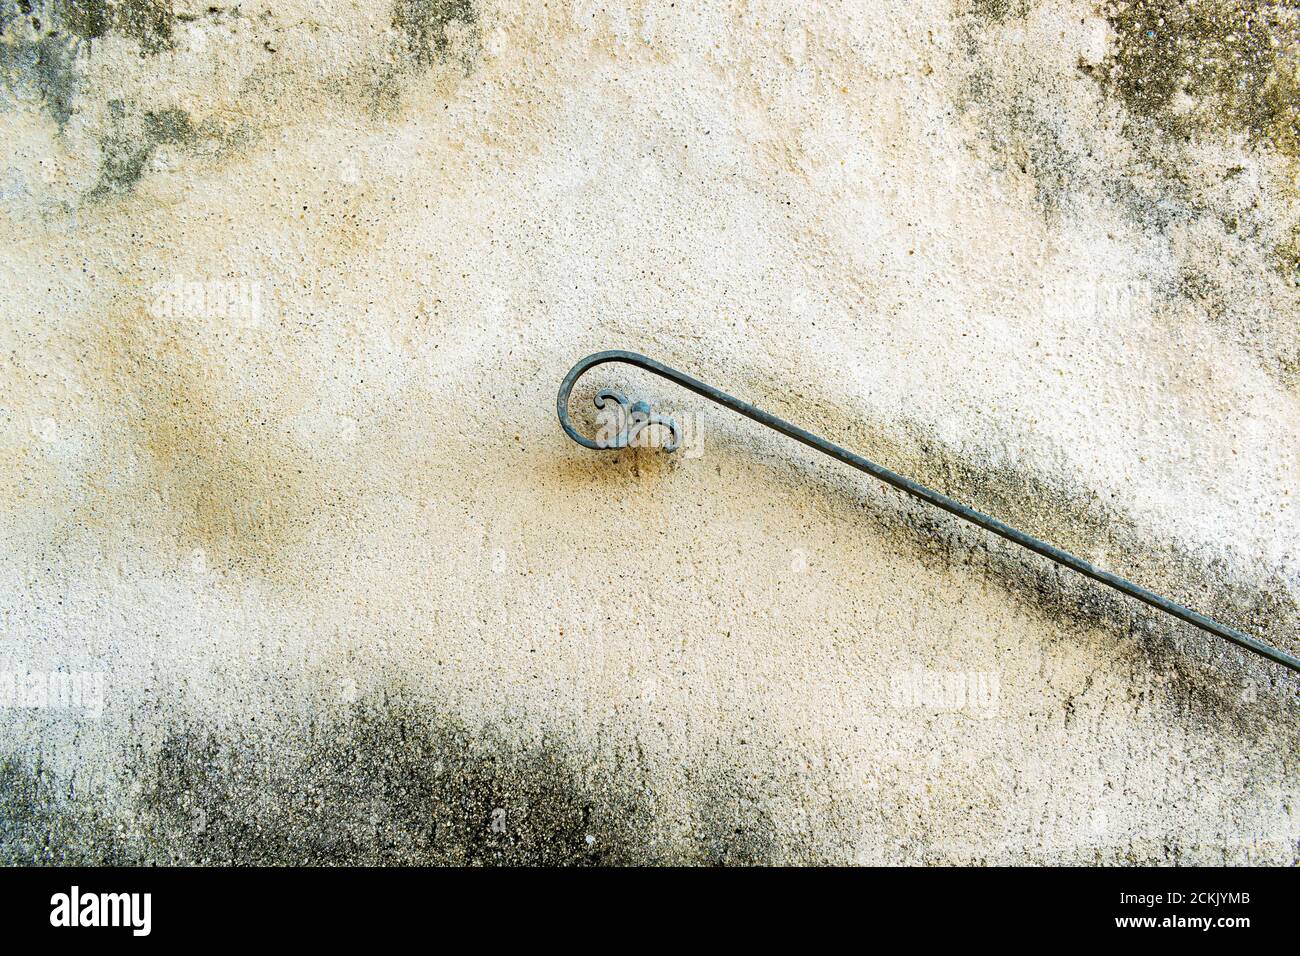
634	418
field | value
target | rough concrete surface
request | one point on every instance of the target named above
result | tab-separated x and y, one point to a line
298	566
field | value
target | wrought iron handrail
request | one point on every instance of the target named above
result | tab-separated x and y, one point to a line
635	417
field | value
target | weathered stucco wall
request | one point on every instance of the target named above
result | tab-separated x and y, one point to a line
353	596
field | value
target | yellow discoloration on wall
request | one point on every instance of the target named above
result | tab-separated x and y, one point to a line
226	471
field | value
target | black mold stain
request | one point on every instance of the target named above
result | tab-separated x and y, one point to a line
35	55
42	821
1195	680
1184	70
1000	11
130	144
1016	117
149	22
1194	67
1024	137
430	33
1184	73
1208	65
388	782
40	41
1187	71
423	24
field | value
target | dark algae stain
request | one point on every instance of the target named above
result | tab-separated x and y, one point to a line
1288	261
147	21
1209	66
1025	138
424	26
395	782
386	782
130	142
1182	70
43	821
41	40
384	785
1081	521
1197	67
1189	71
438	37
36	56
1000	11
1178	82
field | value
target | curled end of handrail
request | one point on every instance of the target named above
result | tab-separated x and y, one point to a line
624	420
